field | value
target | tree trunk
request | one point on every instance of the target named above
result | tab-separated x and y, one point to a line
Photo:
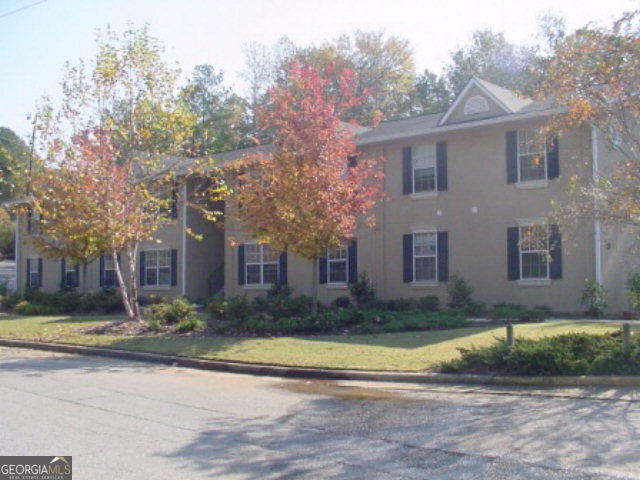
314	288
133	299
124	294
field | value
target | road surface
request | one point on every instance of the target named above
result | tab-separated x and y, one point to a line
131	420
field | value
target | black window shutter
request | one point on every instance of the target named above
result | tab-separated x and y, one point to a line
323	269
513	253
39	272
553	160
29	216
101	277
143	262
174	267
352	257
407	174
407	257
241	278
63	276
555	252
512	156
441	166
443	256
77	269
282	267
352	161
28	273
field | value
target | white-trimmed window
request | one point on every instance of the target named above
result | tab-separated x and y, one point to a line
109	278
71	274
33	277
424	168
425	257
157	267
261	264
532	156
534	252
338	264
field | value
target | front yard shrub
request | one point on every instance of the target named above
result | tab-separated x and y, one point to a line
233	308
341	302
363	291
459	292
401	304
430	303
475	309
594	297
511	312
190	324
10	301
633	291
567	354
178	310
24	307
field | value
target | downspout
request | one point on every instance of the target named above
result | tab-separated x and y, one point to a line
183	281
17	251
597	228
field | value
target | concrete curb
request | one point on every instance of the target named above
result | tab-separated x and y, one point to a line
326	374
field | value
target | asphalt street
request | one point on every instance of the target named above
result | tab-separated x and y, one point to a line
127	420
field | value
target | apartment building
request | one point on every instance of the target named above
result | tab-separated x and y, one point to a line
467	192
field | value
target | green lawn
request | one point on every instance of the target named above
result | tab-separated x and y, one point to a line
410	351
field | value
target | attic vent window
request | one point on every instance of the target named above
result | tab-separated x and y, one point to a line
475	105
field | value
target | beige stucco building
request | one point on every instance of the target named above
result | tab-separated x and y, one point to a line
467	192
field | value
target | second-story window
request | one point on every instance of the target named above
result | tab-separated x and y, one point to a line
424	168
532	156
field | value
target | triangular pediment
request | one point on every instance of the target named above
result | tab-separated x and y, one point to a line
479	100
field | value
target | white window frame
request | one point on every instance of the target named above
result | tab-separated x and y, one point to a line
261	263
434	256
109	258
34	262
343	247
157	267
416	155
534	133
521	251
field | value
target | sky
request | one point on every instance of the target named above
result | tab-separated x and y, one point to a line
37	40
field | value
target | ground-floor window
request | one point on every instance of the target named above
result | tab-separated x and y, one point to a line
261	264
157	267
534	252
338	264
425	257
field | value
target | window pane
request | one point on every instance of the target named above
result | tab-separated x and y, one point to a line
271	273
425	269
151	276
253	253
338	271
424	244
151	258
109	278
164	276
534	265
424	179
108	263
533	237
253	274
339	253
70	278
34	280
532	167
269	254
164	258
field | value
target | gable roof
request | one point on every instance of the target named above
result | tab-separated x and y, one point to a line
505	99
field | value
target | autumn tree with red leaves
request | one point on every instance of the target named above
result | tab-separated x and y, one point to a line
310	193
593	77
